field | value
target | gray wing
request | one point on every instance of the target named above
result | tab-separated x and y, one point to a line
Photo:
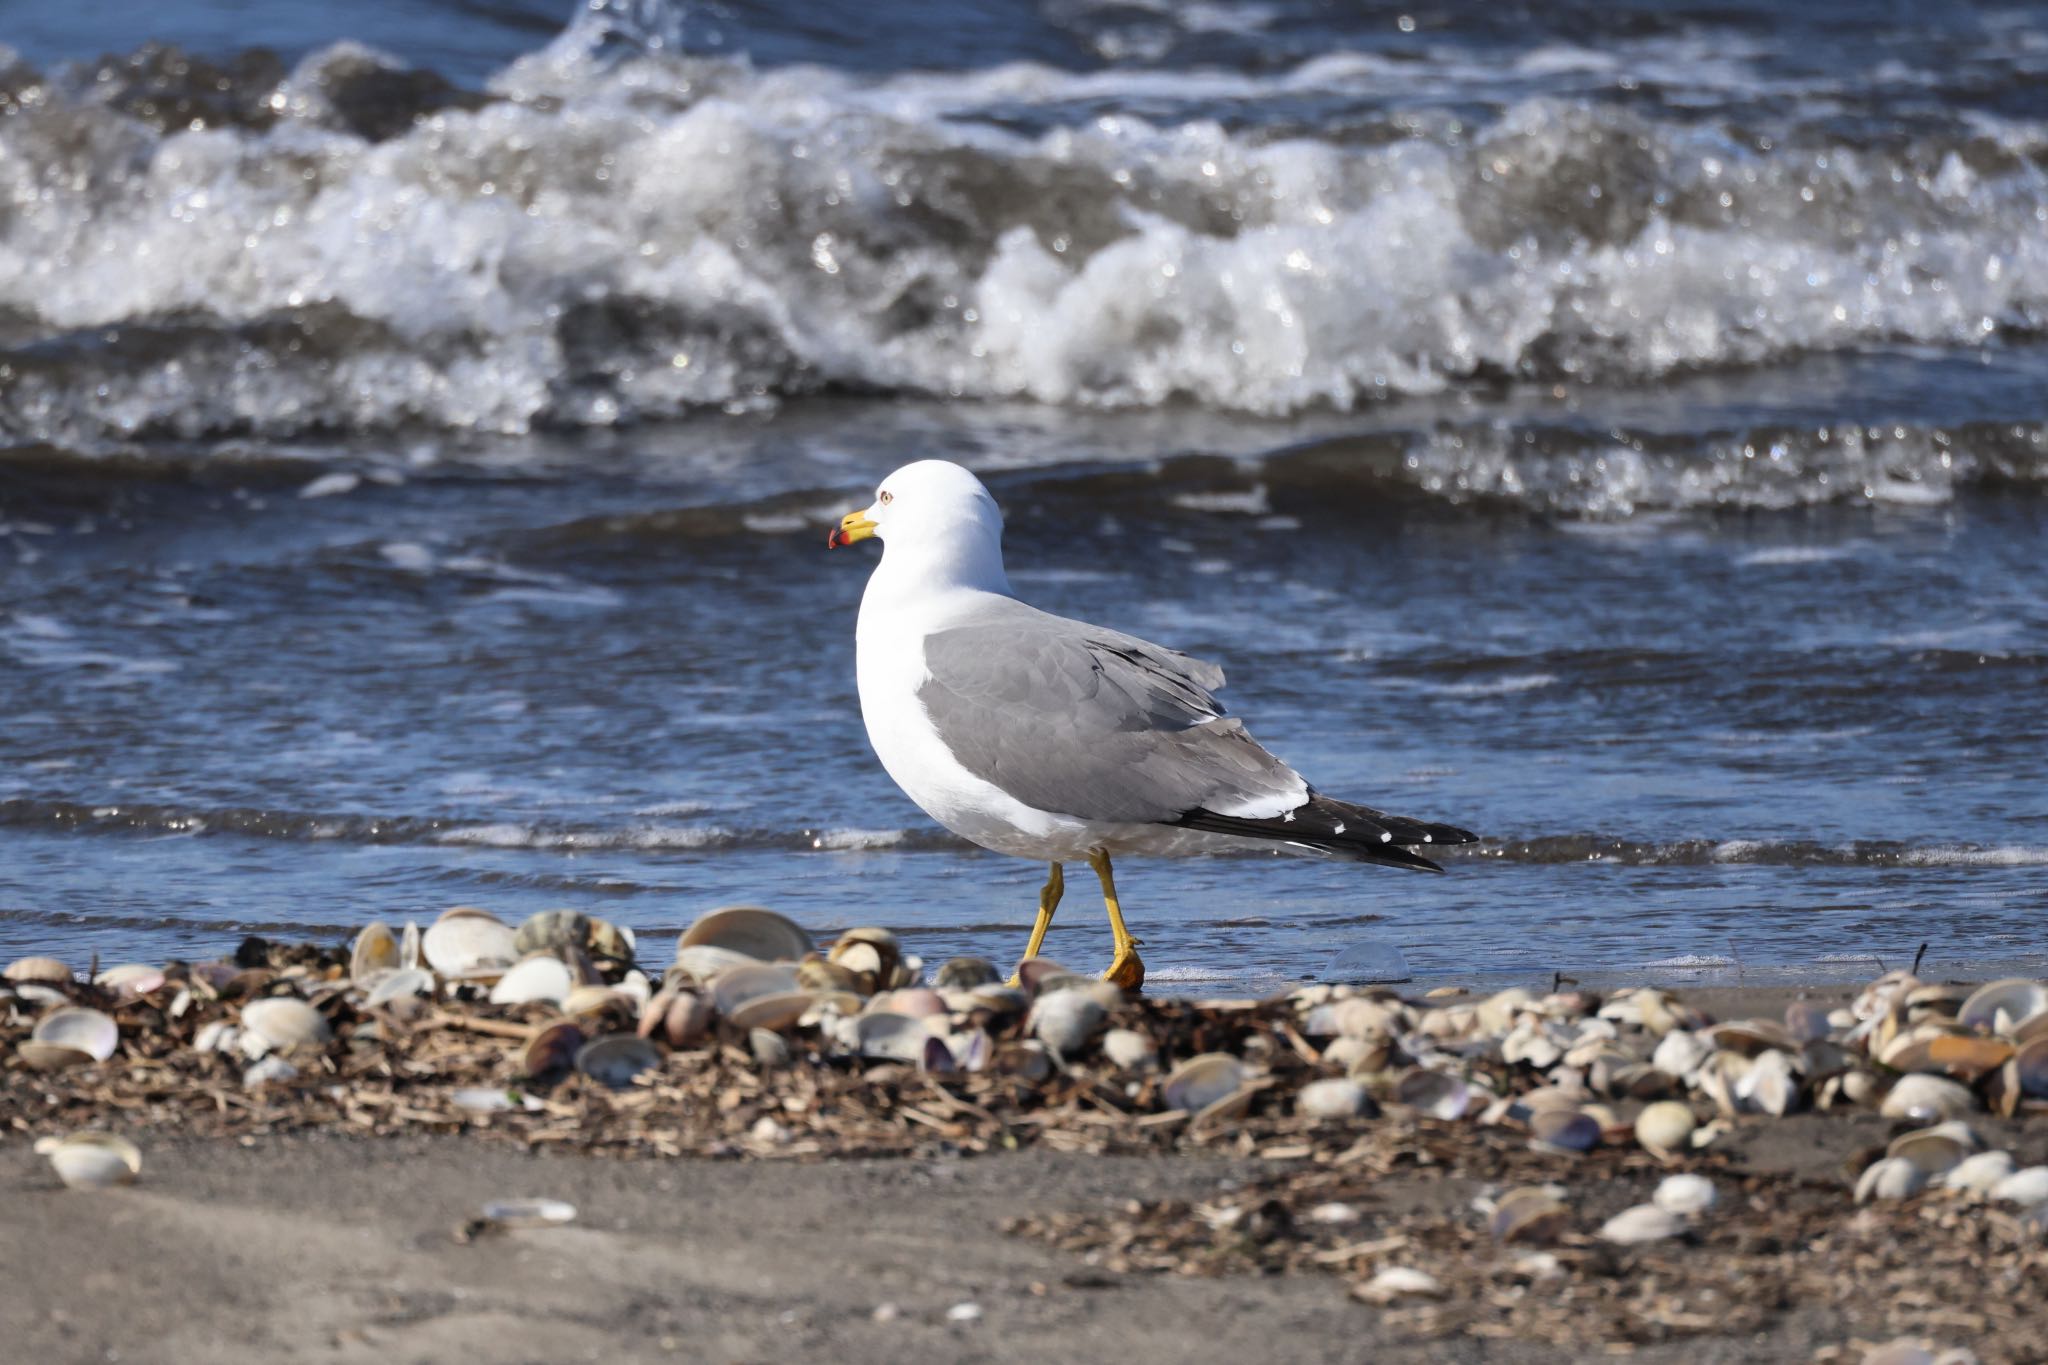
1086	722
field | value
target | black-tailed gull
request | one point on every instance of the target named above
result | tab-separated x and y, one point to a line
1052	739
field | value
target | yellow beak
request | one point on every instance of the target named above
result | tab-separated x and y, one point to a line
853	526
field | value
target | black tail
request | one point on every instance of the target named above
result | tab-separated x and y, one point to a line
1340	829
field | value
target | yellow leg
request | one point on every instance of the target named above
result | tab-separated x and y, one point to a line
1048	901
1126	969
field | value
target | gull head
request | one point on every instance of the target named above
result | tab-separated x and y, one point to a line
933	505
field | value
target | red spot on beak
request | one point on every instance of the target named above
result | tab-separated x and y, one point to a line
837	538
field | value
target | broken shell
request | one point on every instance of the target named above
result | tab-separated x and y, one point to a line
1496	1014
2025	1187
965	973
1891	1177
528	1213
1768	1086
1129	1050
552	1051
467	942
1643	1223
1066	1020
552	931
1924	1097
535	979
2002	1006
269	1070
92	1161
1564	1131
1978	1174
81	1030
1665	1126
482	1099
43	970
1435	1094
1334	1099
284	1023
749	930
399	985
374	953
1203	1080
616	1058
1528	1213
774	1012
1399	1282
1685	1194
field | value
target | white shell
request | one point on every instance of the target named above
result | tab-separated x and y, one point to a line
466	942
1130	1050
1684	1194
272	1068
1768	1087
1332	1099
1643	1223
2025	1187
775	1012
406	981
1201	1081
1065	1020
92	1161
83	1030
1978	1174
1893	1177
1921	1096
529	1212
1680	1053
284	1023
890	1037
1665	1125
131	978
1433	1093
735	986
702	961
1935	1149
44	970
536	979
1399	1282
2001	1006
375	952
750	931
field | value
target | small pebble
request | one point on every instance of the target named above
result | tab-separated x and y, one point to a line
964	1312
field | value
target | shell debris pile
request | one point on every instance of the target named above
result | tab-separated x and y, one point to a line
1598	1131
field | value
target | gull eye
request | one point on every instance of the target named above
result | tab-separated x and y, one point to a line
887	497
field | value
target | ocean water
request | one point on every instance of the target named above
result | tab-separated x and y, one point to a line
1619	429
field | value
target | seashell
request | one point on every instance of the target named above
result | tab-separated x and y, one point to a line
1529	1041
1890	1177
2031	1065
399	985
283	1023
535	979
1665	1126
965	973
528	1213
1643	1223
616	1058
1966	1056
891	1037
374	952
735	986
615	943
1750	1037
1496	1014
1399	1282
748	930
1360	1058
1528	1213
1103	993
218	1036
595	1000
875	951
999	1000
1334	1099
1937	1149
1434	1094
917	1002
131	979
47	971
92	1161
1027	1060
1065	1021
635	987
467	942
972	1050
1633	1081
1924	1097
1768	1087
1806	1021
2002	1006
1680	1054
552	1051
1032	972
1368	1020
410	954
271	1070
769	1049
2026	1187
82	1030
1129	1050
774	1012
1821	1058
552	931
1880	995
1203	1080
1978	1174
684	1017
815	974
862	965
480	1099
1684	1194
702	961
1563	1131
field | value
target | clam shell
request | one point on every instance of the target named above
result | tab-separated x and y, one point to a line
1564	1131
467	942
735	986
1334	1099
1203	1080
1978	1174
402	984
1684	1194
1751	1037
2002	1006
51	1056
131	978
535	979
613	942
1528	1213
616	1058
552	1050
775	1012
1920	1096
2025	1187
748	930
685	1018
1891	1177
1768	1086
1680	1053
44	970
1065	1021
965	973
1129	1050
374	952
1806	1021
92	1161
918	1002
702	961
769	1049
410	954
1643	1223
1400	1282
2032	1065
284	1023
84	1030
1434	1094
891	1037
596	1000
1934	1150
552	931
1665	1126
